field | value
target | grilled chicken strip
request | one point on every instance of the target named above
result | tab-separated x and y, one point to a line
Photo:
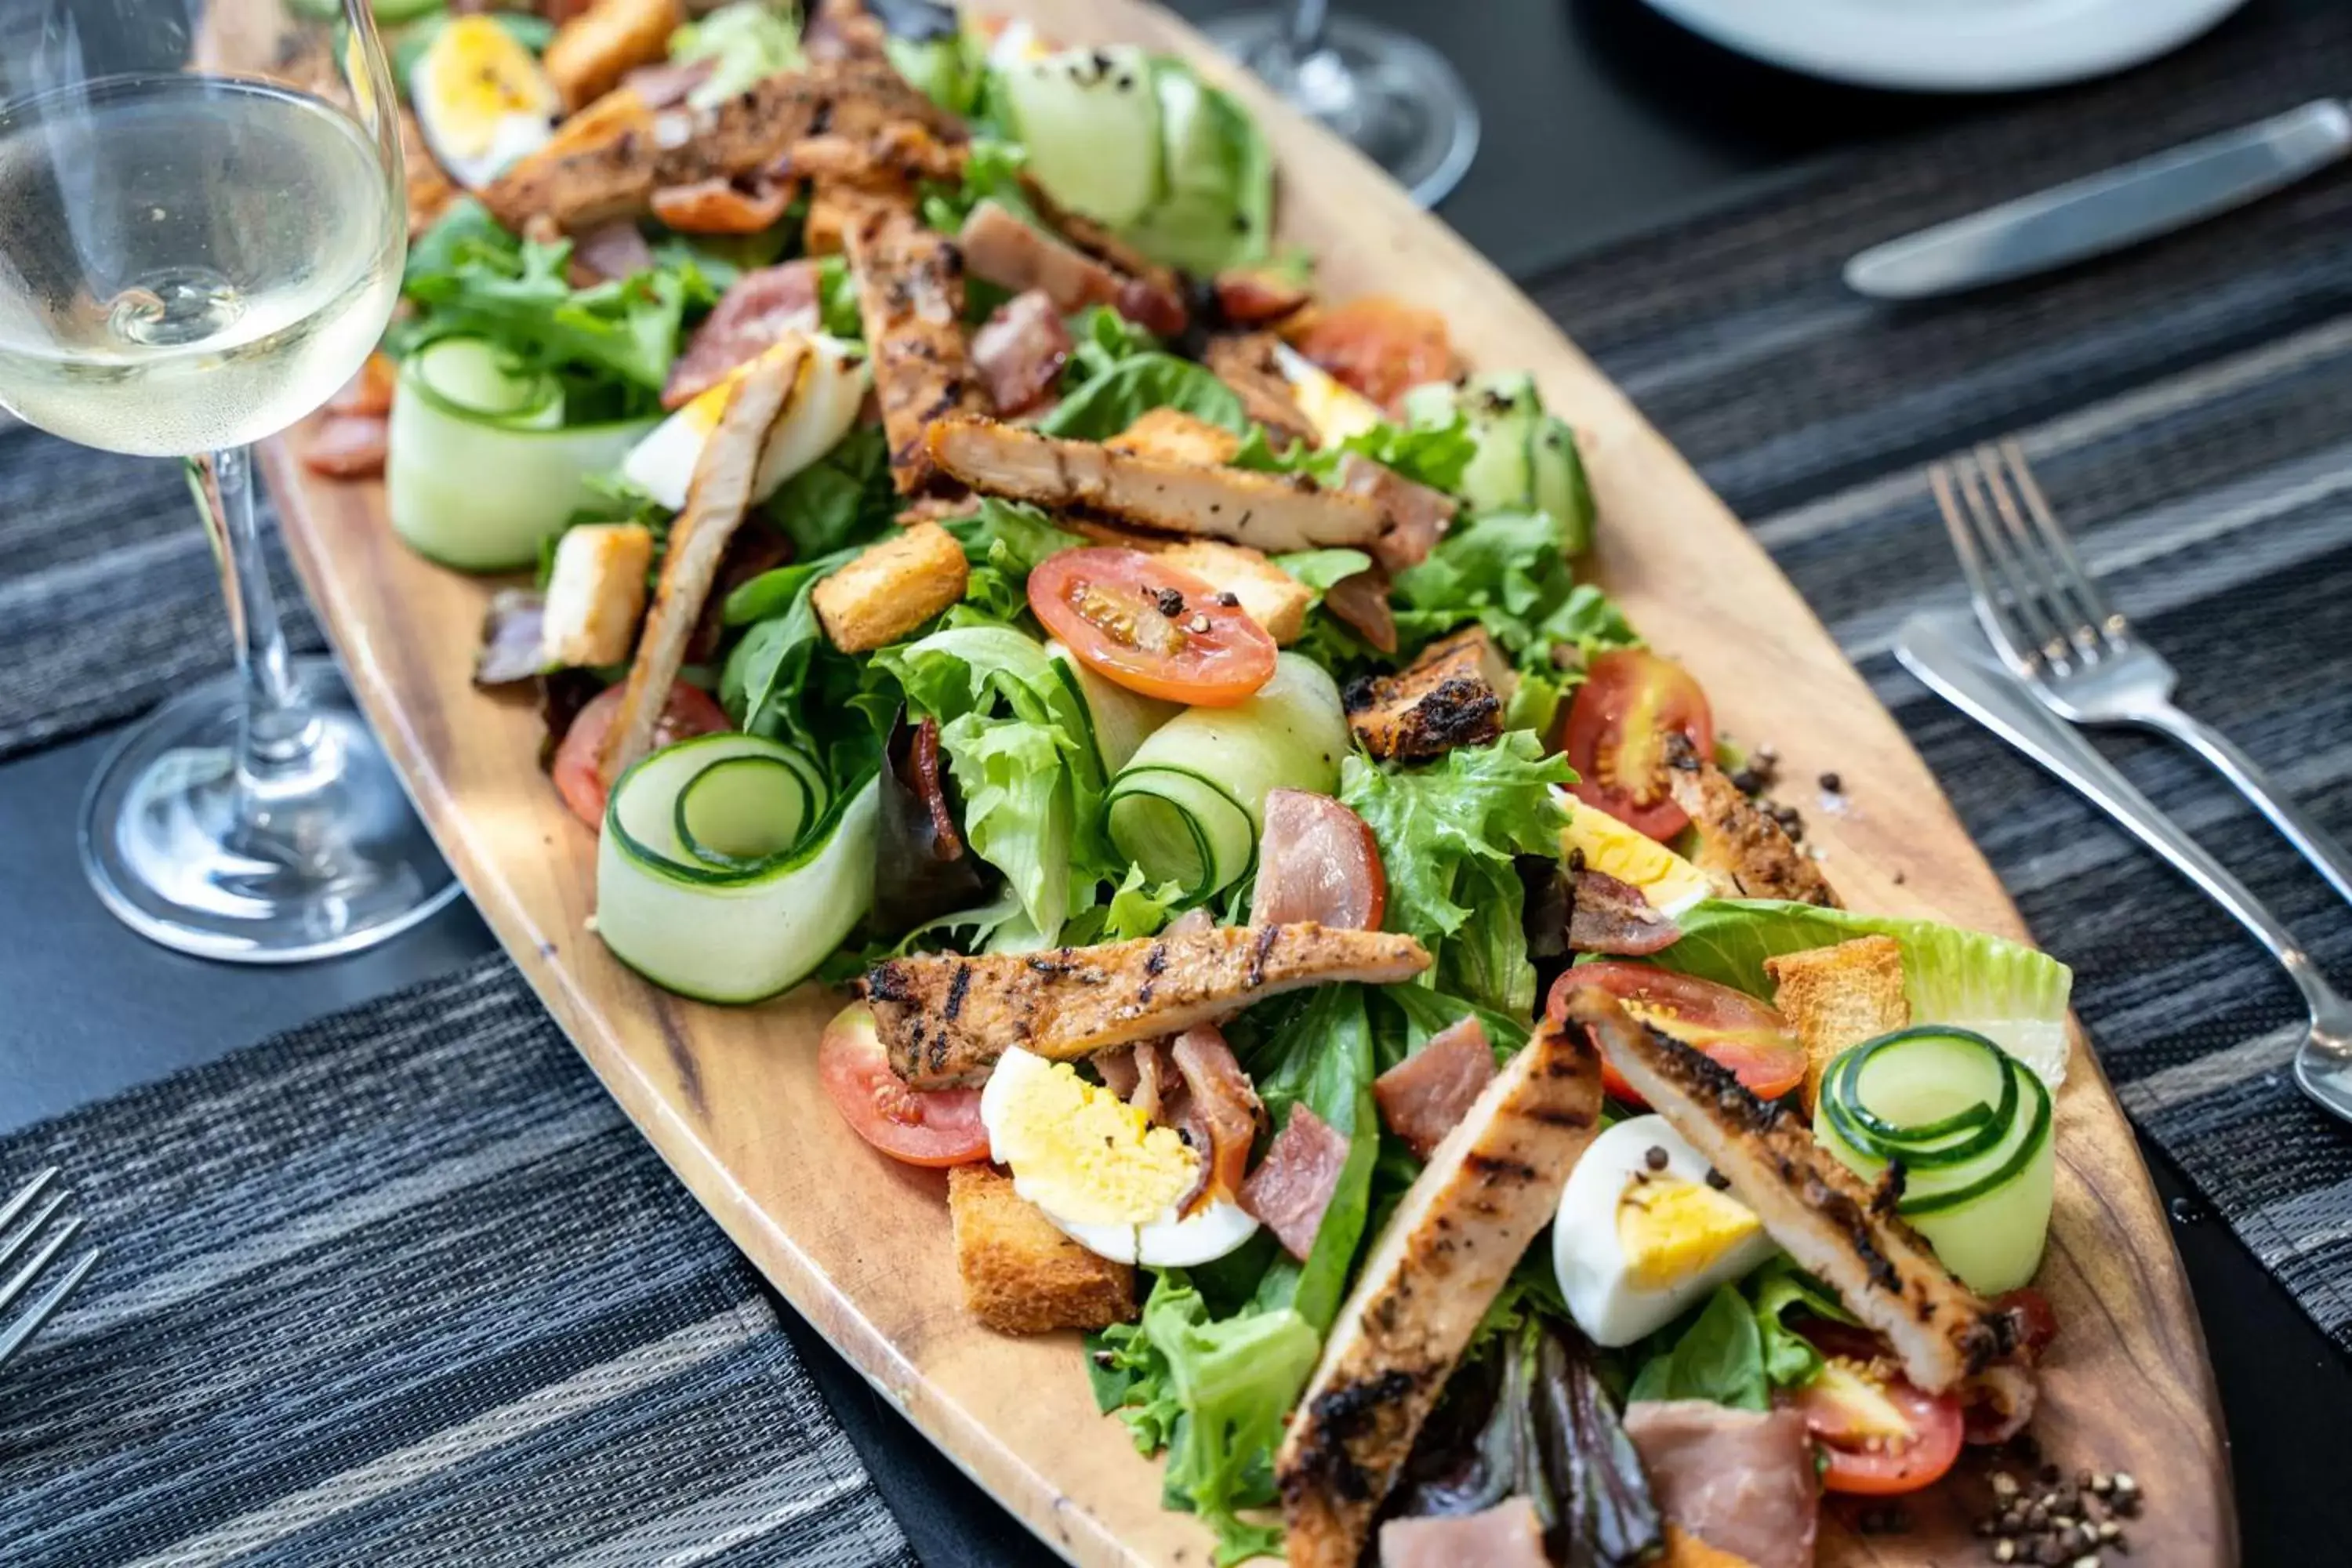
1490	1185
1451	696
910	293
1883	1270
1744	852
945	1019
1272	512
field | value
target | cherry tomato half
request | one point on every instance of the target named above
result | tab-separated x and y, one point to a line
1732	1028
689	711
1880	1435
1150	627
1616	734
1378	346
921	1127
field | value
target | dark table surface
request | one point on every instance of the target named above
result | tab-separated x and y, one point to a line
1601	118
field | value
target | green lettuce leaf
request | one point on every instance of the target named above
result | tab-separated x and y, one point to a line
746	42
836	298
944	68
2007	992
1214	1393
1319	1054
1436	456
1110	401
1775	1290
1003	542
1019	749
844	498
1718	1354
1133	909
1447	833
470	277
1099	338
991	172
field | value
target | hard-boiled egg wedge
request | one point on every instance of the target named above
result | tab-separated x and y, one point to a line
1671	883
481	99
1099	1169
823	406
1642	1237
1336	410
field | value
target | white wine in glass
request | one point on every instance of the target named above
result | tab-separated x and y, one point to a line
196	249
1391	96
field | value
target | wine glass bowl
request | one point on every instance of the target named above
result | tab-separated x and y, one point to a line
201	231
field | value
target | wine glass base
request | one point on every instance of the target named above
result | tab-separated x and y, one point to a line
331	861
1387	93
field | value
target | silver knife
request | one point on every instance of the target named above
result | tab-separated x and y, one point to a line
2105	212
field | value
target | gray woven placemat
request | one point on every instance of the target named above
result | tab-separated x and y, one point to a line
109	602
2188	409
404	1287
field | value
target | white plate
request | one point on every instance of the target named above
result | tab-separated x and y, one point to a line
1950	46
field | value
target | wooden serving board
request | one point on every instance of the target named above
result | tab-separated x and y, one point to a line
860	1245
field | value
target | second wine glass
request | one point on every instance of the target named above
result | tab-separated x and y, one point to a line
1391	96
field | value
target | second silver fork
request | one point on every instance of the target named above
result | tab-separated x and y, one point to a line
2076	651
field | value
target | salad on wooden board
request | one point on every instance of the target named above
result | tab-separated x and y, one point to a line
1342	968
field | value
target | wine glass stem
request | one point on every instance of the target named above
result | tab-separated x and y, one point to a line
1307	21
277	733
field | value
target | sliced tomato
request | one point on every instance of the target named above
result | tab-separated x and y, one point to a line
1150	627
1732	1028
1316	861
1880	1435
689	711
1615	738
1378	345
921	1127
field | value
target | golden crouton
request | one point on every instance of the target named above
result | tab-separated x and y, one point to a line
1744	852
1272	597
1177	435
595	593
591	53
1840	996
1021	1276
1685	1550
1451	696
892	588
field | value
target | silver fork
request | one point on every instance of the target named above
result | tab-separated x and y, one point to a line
2075	650
48	1240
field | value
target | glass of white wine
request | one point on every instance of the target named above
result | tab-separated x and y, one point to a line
202	230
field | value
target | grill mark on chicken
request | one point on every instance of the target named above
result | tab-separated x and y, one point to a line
945	1019
1490	1187
1883	1270
1272	513
910	293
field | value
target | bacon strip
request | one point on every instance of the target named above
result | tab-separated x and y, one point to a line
1422	1097
1293	1186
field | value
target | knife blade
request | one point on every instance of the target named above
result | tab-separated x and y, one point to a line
2108	211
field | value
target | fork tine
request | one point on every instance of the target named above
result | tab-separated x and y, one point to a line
24	1199
1944	479
25	1236
56	1244
2072	579
26	1326
2031	574
2026	636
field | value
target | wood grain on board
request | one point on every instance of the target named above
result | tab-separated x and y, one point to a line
860	1245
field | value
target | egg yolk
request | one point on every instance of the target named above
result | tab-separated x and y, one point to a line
1671	1229
1086	1156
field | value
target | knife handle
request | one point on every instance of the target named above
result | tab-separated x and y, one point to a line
2107	211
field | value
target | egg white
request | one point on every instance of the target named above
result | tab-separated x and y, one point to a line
1588	1258
1166	1241
471	158
822	407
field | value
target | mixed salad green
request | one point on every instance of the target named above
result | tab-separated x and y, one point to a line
1056	743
